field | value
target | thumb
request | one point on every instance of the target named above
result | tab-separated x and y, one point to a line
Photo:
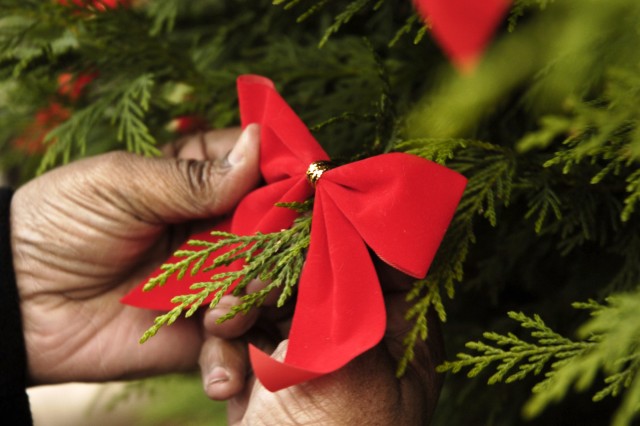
170	190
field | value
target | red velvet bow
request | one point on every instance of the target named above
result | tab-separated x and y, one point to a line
398	205
463	27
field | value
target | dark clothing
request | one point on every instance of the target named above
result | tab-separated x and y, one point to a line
14	404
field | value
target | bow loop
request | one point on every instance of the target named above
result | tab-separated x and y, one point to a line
400	204
282	132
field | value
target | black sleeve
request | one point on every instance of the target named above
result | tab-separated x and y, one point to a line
14	404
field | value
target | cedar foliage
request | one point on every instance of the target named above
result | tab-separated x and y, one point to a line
546	130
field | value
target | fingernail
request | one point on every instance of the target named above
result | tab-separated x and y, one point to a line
218	375
247	137
215	314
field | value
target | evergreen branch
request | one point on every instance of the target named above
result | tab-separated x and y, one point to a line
347	116
543	201
439	150
289	3
276	258
520	6
311	11
28	42
193	260
602	135
405	29
71	136
529	358
609	344
614	333
164	14
418	313
129	115
630	202
551	128
343	18
628	248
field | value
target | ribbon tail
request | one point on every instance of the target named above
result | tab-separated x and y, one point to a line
275	375
160	297
340	310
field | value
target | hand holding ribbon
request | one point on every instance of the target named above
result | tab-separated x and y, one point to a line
397	205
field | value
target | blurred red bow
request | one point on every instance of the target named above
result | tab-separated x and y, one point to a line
463	27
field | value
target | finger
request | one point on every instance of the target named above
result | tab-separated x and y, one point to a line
223	364
257	285
427	353
211	145
364	388
217	143
420	376
231	328
160	191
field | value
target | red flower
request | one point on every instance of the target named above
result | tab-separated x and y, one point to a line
72	86
100	5
31	140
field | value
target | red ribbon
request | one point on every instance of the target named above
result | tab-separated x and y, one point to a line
463	27
398	205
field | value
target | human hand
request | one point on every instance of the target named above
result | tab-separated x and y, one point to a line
83	235
365	391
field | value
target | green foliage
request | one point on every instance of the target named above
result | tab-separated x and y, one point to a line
603	133
519	8
129	115
529	358
172	399
275	258
609	345
351	10
545	130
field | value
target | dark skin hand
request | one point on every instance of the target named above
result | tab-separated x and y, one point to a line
85	234
366	389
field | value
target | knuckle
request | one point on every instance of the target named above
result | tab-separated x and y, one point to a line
203	180
112	164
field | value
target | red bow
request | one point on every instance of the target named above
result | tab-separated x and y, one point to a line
463	27
398	205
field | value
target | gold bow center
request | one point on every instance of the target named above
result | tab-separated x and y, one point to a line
315	171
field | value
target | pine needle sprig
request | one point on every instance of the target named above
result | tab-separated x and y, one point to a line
519	8
510	352
29	42
127	108
129	115
343	18
70	138
608	344
439	150
543	202
163	15
409	25
427	291
614	332
352	9
275	258
601	135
